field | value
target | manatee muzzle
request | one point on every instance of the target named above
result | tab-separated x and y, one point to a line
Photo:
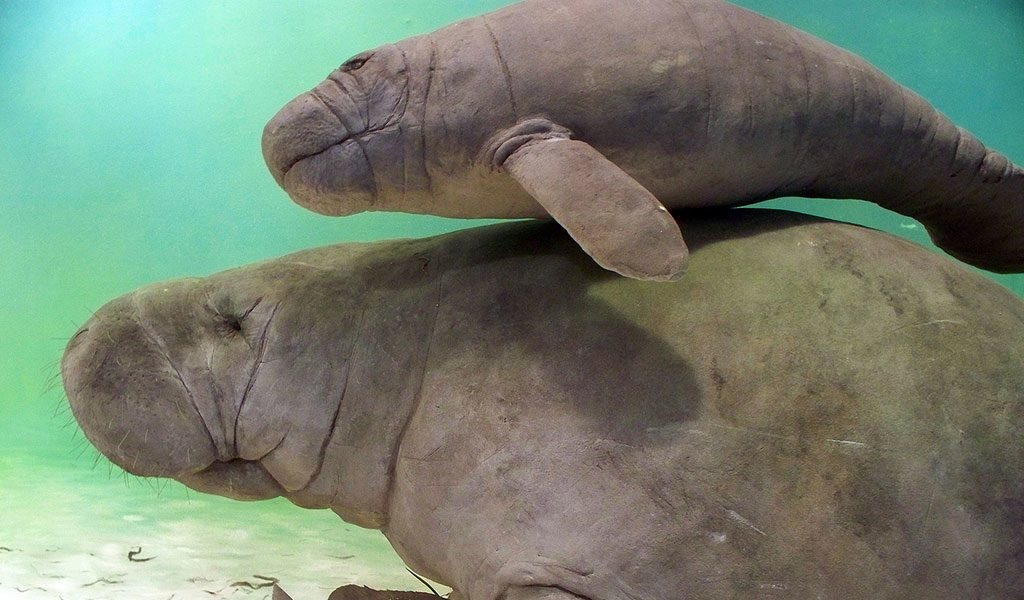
129	400
314	158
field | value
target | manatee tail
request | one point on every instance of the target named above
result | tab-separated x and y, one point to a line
987	228
968	197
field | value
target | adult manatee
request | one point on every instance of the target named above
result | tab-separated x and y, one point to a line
602	112
818	411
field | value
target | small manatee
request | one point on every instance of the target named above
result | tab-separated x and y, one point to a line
601	113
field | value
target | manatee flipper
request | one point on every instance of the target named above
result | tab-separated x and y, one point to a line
620	224
279	594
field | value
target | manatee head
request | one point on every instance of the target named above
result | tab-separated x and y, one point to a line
216	381
338	147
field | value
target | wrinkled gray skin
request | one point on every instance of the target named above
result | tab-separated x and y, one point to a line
816	411
598	112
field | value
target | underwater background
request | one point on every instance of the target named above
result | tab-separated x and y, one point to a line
130	153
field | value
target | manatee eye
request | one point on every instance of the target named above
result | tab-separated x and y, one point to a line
233	322
228	324
229	321
355	62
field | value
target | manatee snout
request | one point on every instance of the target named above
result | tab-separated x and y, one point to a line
128	399
313	157
139	380
338	148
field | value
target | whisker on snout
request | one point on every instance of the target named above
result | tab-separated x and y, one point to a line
54	383
62	408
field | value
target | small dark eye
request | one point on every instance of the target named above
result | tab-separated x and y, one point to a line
233	322
227	317
355	62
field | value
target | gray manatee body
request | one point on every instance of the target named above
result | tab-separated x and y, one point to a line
602	112
817	411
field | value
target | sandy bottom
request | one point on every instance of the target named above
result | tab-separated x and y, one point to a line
74	532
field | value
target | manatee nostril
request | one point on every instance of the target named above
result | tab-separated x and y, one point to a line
69	367
75	341
78	334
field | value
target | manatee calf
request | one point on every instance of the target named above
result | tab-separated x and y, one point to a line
817	411
600	113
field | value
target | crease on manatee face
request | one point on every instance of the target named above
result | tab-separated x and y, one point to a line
158	343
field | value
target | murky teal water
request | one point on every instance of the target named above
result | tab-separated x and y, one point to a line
129	152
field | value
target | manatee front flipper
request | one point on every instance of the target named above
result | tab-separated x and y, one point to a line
620	224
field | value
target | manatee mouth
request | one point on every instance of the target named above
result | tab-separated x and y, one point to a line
287	169
238	479
304	128
315	165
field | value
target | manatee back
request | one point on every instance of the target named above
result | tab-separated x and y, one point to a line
815	410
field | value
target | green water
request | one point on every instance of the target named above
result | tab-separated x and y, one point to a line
129	152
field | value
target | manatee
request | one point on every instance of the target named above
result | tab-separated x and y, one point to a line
601	113
817	410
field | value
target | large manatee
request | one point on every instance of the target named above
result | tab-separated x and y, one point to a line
817	411
600	113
